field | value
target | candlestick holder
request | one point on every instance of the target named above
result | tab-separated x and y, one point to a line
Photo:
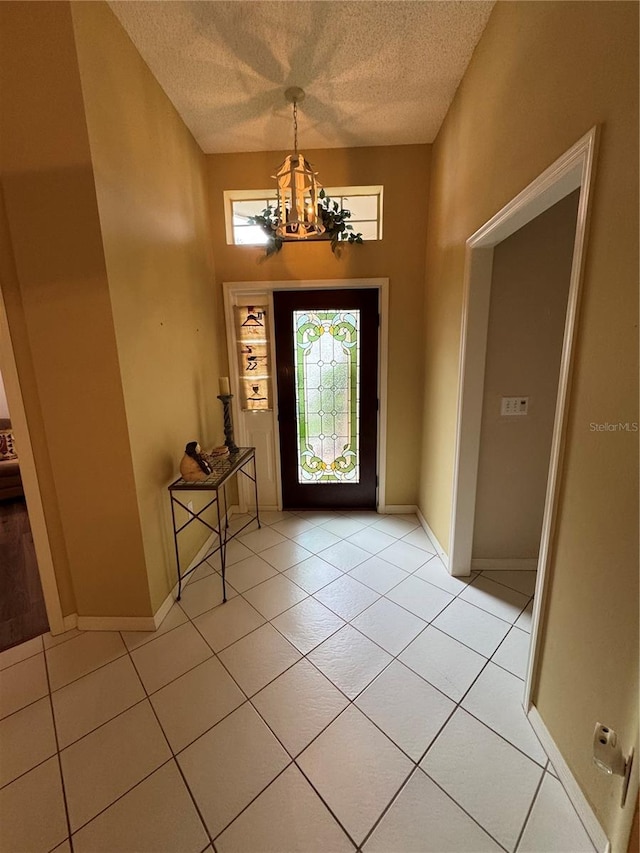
228	423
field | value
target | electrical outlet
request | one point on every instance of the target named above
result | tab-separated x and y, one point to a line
514	406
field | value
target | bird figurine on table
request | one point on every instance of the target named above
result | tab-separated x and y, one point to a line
194	467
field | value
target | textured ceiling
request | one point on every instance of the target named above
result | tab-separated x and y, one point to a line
375	73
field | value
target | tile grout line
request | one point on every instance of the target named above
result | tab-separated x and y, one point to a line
91	671
483	610
414	771
503	583
502	642
394	657
158	636
59	757
317	554
253	799
22	660
139	701
350	703
124	793
174	755
353	701
170	748
442	631
485	724
458	706
529	810
469	815
501	736
95	669
34	767
62	642
304	656
432	741
250	700
548	772
22	708
145	698
121	712
322	799
247	699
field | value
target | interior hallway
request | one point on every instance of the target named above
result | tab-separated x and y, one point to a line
350	695
22	610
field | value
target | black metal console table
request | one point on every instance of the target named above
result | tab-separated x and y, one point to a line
224	469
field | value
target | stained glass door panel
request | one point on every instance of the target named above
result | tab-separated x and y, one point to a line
326	349
327	381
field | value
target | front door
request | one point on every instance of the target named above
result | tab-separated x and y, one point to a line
327	367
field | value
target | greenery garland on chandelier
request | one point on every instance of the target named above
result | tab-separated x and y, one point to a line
331	215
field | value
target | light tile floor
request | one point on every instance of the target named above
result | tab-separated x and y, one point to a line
350	695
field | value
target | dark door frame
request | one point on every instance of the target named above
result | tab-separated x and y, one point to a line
234	289
363	493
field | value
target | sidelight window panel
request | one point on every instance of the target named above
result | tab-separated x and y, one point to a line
254	369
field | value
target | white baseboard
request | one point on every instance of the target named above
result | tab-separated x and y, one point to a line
116	623
69	622
439	549
398	509
164	608
568	782
528	565
261	507
169	601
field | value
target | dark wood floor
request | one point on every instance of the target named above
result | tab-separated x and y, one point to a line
22	611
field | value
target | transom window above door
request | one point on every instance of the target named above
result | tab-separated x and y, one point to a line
365	204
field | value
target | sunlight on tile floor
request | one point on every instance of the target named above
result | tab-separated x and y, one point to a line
350	695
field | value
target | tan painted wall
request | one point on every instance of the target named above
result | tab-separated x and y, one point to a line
404	172
59	313
529	291
541	76
149	175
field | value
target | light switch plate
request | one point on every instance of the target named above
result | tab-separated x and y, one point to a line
514	406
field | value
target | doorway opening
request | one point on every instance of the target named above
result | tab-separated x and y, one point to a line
39	559
528	306
571	173
23	614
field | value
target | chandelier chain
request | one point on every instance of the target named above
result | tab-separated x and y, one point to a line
295	127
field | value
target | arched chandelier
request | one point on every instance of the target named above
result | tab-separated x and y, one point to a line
297	187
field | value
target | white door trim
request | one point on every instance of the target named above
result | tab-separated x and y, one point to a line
232	288
571	171
29	475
